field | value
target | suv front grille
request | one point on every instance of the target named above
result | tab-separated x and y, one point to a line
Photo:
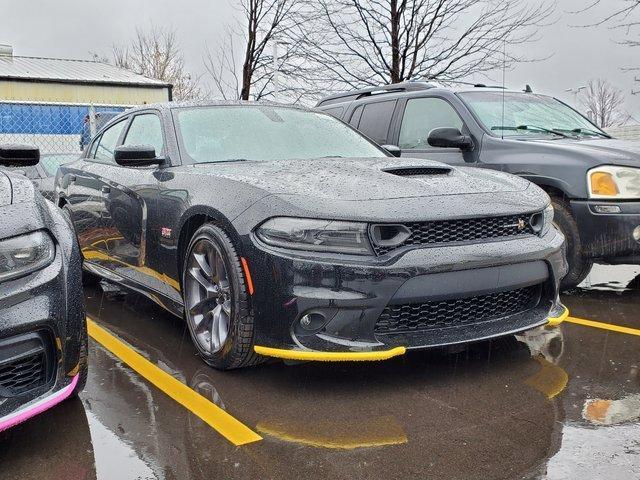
456	312
464	230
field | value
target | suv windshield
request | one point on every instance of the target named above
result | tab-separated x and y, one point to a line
528	114
227	133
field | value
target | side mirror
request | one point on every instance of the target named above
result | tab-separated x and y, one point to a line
136	156
393	150
14	155
449	138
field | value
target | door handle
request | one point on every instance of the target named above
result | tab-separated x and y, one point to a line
72	178
106	190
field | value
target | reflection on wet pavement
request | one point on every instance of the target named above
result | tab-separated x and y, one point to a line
552	403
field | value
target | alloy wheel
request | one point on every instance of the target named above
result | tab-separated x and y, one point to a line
208	296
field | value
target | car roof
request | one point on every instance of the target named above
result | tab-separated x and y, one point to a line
409	89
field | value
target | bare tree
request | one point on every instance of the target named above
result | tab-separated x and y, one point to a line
603	104
156	53
355	43
242	64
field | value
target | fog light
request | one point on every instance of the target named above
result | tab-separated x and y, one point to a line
312	321
636	234
607	209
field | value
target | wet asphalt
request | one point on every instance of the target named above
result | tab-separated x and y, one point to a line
553	403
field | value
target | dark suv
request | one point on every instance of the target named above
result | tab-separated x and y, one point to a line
593	179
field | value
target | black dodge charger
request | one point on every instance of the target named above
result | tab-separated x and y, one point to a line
279	231
43	332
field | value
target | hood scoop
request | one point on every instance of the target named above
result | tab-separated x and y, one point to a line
417	171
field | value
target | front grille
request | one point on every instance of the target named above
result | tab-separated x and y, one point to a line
455	313
464	230
23	374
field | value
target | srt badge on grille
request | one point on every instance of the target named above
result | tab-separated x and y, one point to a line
520	225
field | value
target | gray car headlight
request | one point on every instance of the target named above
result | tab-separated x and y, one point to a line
316	235
24	254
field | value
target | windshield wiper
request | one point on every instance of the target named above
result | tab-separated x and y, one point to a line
224	161
588	131
531	128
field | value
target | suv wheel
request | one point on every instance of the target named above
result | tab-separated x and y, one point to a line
216	301
579	265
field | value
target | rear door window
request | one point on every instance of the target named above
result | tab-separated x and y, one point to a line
376	119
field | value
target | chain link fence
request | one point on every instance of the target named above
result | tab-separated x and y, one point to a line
53	128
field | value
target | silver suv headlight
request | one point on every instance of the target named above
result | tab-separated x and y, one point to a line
25	254
614	183
316	235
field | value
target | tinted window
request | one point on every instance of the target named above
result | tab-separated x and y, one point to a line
375	120
108	143
146	130
422	115
217	134
335	111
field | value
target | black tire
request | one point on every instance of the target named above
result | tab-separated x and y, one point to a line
237	349
88	279
579	264
83	362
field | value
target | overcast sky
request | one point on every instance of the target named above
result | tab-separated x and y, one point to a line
74	28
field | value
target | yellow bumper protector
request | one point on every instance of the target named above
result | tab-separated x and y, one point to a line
313	355
555	321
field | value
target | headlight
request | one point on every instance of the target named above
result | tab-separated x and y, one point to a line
547	216
22	255
610	182
316	235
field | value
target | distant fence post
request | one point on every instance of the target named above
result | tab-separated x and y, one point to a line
92	120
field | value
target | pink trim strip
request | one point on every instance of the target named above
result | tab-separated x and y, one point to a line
38	407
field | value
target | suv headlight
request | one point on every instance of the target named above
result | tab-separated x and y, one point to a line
608	182
24	254
316	235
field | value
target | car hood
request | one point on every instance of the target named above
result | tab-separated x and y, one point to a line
601	150
5	190
363	178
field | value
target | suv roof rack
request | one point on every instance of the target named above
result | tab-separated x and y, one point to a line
367	92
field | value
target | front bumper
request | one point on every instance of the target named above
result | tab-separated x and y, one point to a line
608	237
42	313
350	296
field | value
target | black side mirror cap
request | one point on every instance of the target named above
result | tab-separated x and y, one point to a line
16	155
393	150
449	138
136	156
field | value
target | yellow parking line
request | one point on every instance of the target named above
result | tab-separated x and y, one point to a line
230	428
604	326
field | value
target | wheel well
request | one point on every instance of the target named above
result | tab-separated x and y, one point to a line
189	228
554	192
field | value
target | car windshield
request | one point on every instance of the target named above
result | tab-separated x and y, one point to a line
227	133
528	114
51	163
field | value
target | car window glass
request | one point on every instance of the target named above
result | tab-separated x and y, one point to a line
422	115
94	147
375	120
355	117
215	134
146	130
108	143
335	111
